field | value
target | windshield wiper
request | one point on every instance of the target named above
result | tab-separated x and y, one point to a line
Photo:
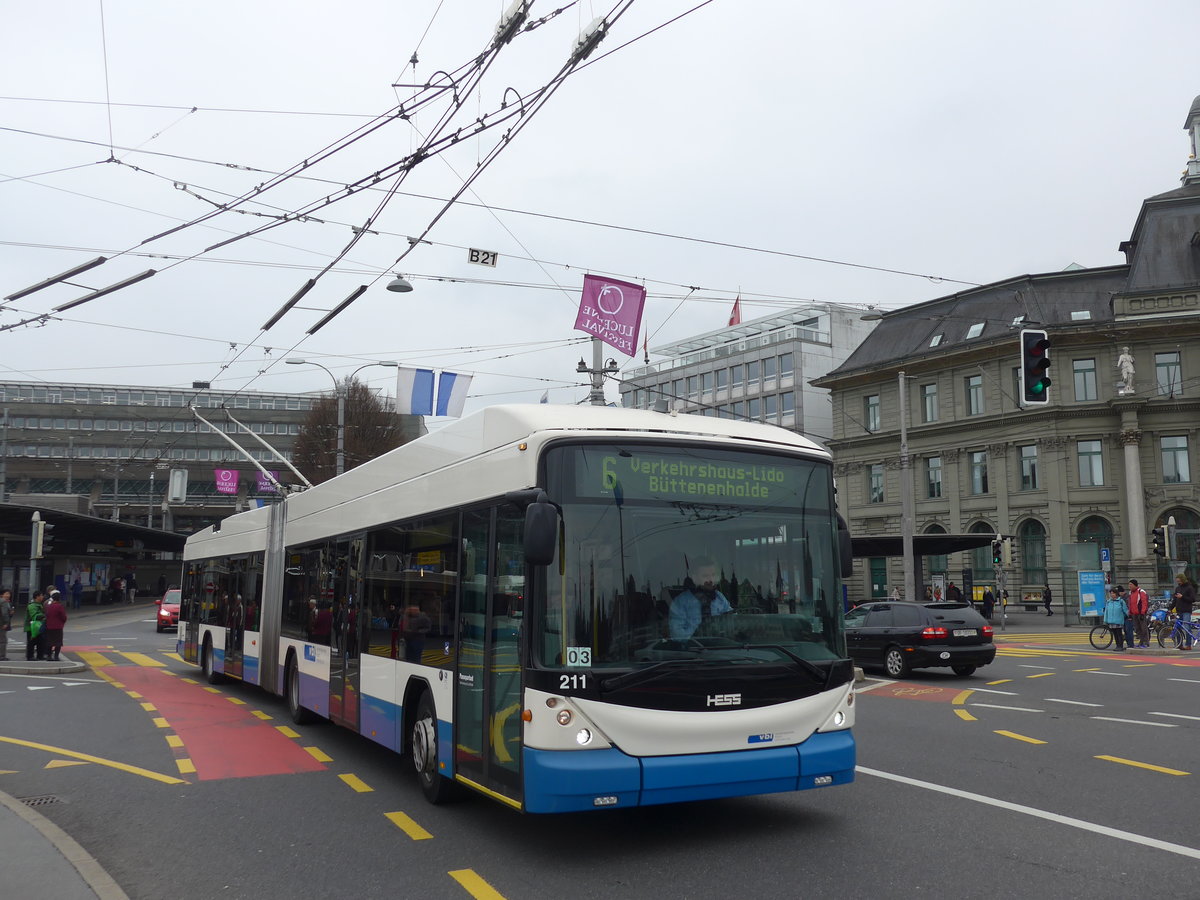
637	676
811	668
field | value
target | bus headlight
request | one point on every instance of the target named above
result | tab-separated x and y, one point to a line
584	737
564	717
839	719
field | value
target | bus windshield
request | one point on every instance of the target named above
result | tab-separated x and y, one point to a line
689	554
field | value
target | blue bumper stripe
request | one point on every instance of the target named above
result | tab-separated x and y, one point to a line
566	781
380	721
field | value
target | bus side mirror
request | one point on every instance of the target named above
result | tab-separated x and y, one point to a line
541	533
845	548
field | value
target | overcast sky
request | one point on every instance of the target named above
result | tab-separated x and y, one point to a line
962	141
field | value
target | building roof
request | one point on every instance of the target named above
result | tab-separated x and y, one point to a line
798	315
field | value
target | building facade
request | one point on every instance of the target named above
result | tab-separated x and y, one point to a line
758	370
1076	483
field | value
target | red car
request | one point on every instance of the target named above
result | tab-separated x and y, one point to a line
168	610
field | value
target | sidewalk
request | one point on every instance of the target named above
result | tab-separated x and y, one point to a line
40	859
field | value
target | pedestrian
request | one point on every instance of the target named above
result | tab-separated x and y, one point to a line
1047	597
928	594
6	611
1116	610
76	593
1130	637
116	590
1139	614
35	623
954	593
56	620
989	603
1185	599
131	586
162	584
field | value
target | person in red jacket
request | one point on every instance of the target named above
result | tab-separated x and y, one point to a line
56	620
1139	611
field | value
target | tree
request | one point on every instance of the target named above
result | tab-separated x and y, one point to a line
371	430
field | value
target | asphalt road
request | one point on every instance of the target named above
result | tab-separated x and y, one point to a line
1007	783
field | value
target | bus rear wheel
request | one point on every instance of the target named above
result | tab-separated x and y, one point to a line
424	743
300	715
206	664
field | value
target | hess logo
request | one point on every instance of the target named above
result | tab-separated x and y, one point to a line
724	700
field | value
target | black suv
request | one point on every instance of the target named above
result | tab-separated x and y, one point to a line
901	636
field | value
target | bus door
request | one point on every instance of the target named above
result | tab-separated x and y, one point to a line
346	633
488	679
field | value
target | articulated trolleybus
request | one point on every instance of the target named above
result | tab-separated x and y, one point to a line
563	608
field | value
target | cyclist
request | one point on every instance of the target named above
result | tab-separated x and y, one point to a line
1185	597
1115	612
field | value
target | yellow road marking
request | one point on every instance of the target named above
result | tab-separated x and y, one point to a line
213	690
1097	669
87	757
238	700
1040	675
475	886
1139	666
287	732
134	694
174	656
141	659
186	766
318	754
1020	737
62	763
356	783
1001	681
189	681
174	740
149	707
965	716
1141	765
962	697
94	660
160	722
408	826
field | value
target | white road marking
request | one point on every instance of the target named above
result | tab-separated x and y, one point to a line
1072	702
1188	680
1176	716
1135	722
1154	843
994	691
1013	708
1118	674
1028	666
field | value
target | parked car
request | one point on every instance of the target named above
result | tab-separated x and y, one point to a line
900	636
168	610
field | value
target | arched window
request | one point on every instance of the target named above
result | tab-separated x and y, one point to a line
1096	530
1032	537
981	557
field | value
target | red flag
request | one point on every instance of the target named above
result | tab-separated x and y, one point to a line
735	315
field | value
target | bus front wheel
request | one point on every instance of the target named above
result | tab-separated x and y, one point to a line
206	664
436	788
300	715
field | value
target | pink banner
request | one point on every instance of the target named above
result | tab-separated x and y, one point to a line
612	311
264	485
227	480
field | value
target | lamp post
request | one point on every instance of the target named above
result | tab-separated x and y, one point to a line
340	388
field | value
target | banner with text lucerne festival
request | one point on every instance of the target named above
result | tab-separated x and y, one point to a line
612	311
227	481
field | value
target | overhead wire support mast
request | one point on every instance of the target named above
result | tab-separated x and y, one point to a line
242	450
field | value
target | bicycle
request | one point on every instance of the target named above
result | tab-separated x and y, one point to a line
1101	637
1178	633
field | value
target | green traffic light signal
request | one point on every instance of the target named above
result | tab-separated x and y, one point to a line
1035	361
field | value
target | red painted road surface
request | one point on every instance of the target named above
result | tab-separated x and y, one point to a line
222	739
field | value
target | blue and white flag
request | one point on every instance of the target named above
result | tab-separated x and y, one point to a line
414	392
452	393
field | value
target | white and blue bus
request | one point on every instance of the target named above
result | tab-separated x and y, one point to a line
518	601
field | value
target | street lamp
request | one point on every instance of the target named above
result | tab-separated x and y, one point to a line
340	388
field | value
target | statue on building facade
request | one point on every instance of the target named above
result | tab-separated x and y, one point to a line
1125	367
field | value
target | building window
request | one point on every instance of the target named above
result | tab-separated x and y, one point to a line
871	412
1168	373
1175	460
979	472
875	483
735	375
935	340
1032	537
722	379
752	375
768	365
1029	467
1085	380
975	330
974	394
706	382
933	477
693	387
785	365
771	406
1091	464
929	403
787	402
755	408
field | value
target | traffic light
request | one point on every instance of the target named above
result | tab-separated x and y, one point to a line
43	539
1035	361
997	553
1162	540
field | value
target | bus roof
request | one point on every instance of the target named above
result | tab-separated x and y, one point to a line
370	487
